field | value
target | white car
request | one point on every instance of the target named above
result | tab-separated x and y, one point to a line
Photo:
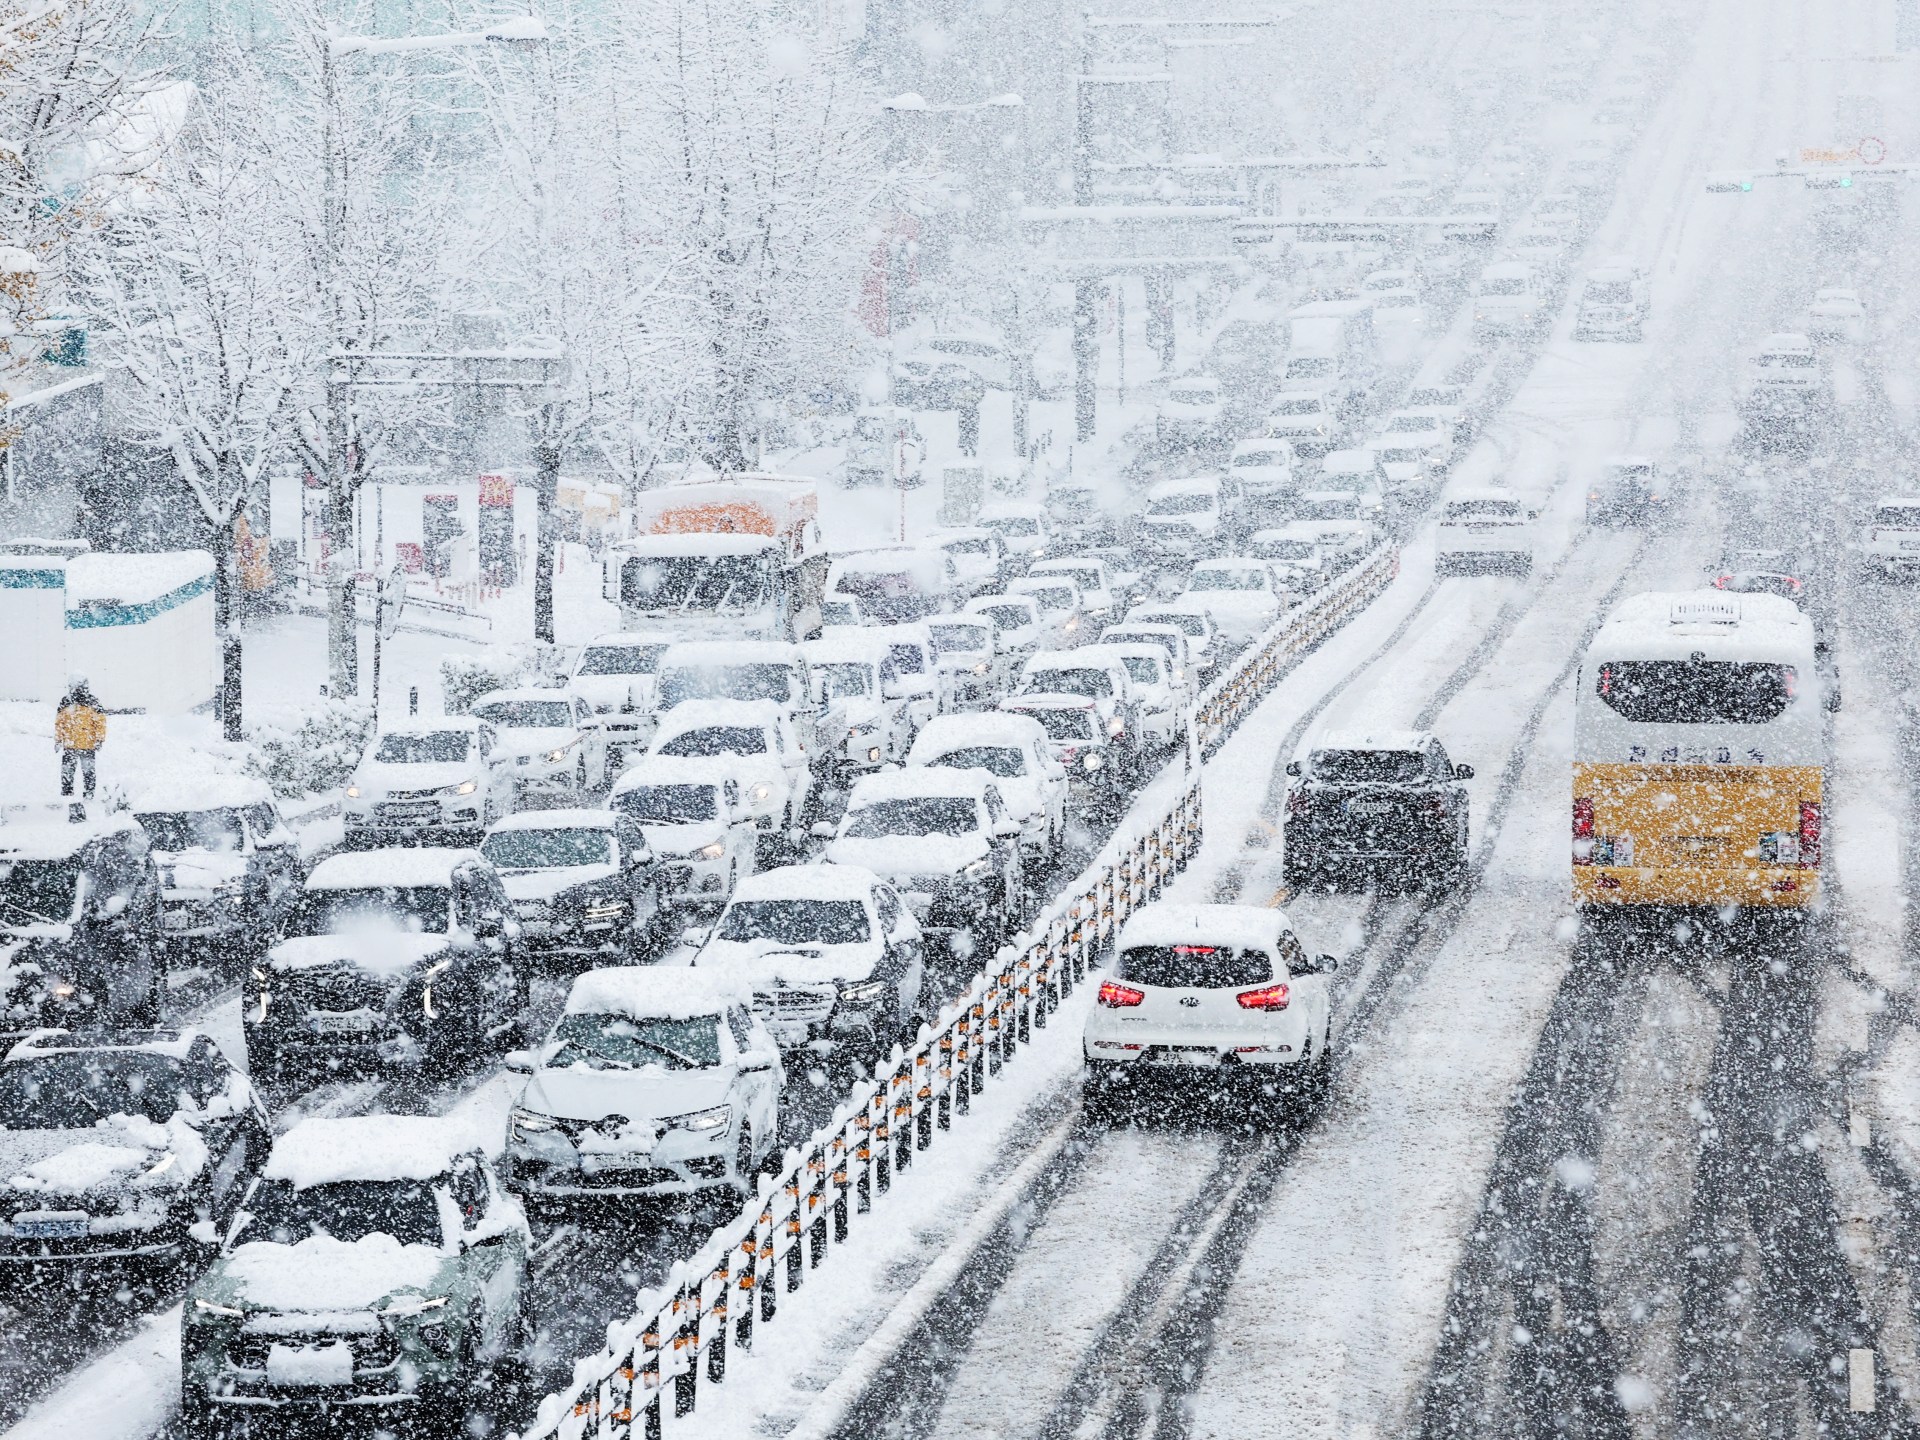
757	740
1191	414
440	777
655	1080
1786	364
947	843
1062	625
1014	750
1414	459
1543	247
864	722
1173	643
1892	544
1509	300
1224	990
973	665
1400	310
1020	524
1304	562
979	557
1204	641
1160	699
1348	541
1018	619
615	675
551	740
1240	595
1483	530
692	814
1837	314
1613	304
1098	602
1264	468
1305	419
1182	517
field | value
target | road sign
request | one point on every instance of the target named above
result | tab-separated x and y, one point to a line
389	600
1871	150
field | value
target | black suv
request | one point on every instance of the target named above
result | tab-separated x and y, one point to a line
1363	807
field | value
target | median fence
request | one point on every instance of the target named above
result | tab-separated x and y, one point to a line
754	1269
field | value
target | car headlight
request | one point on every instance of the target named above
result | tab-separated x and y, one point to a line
981	668
225	1312
530	1122
466	787
863	729
266	994
426	992
166	1163
701	1122
416	1306
865	992
711	852
353	793
759	793
554	757
1093	760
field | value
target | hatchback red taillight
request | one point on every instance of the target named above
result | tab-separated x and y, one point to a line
1268	997
1811	827
1116	996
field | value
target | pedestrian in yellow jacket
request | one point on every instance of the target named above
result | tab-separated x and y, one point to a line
79	729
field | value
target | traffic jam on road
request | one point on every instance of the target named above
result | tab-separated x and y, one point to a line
1366	839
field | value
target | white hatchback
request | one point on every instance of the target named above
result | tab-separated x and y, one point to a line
1223	990
1483	530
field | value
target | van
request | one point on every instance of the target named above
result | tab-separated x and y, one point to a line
1613	304
1509	300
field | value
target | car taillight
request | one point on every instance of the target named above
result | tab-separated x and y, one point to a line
1298	802
1116	996
1810	828
1269	997
1720	581
1116	727
1583	846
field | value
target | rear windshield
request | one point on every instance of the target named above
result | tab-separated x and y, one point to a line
1434	395
717	740
1011	524
1609	292
1696	692
620	659
1298	405
1228	580
1094	684
1309	367
76	1090
1064	724
1368	767
668	804
1199	967
1787	360
1473	509
1504	285
626	1042
1007	617
1192	504
1194	627
348	1210
947	639
1905	517
33	890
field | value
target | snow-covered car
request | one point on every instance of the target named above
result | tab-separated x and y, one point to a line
1205	645
946	842
1080	740
1226	991
898	583
1366	804
1014	750
1401	311
1020	524
1018	619
1124	570
1099	601
115	1143
1263	466
772	671
1061	623
1414	459
426	779
1543	247
1837	314
377	1266
653	1081
1240	594
1787	365
1191	415
1386	282
229	866
756	739
832	956
1183	517
1892	544
1171	641
400	956
973	665
864	722
579	883
1510	299
79	924
616	675
1160	701
1100	678
1346	541
909	673
1613	304
979	556
1630	490
1305	562
1078	514
549	741
1482	530
1305	419
690	815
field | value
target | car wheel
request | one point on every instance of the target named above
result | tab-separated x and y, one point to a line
1105	1096
1298	874
199	1418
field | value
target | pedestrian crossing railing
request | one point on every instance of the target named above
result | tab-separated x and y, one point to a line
1258	668
754	1269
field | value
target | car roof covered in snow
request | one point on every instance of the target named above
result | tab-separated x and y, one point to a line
845	643
700	714
519	693
174	1043
43	832
407	865
330	1150
1190	485
632	638
429	725
730	652
191	793
569	818
1715	624
979	604
946	733
1371	740
917	782
673	770
646	992
1899	502
1251	927
807	882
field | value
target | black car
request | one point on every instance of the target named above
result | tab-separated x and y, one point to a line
404	957
115	1144
79	925
581	882
229	867
1368	807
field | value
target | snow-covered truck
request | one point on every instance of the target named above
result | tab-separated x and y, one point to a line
737	557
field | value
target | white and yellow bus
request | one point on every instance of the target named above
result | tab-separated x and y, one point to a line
1699	755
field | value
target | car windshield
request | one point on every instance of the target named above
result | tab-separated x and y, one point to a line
1053	597
971	545
548	849
527	714
797	922
906	659
75	1090
622	1042
920	815
1007	617
435	747
844	679
1787	360
1478	509
1329	507
1191	395
1696	692
668	804
694	582
725	682
949	639
378	910
1395	300
1900	517
1094	683
347	1210
1064	724
1368	767
1297	405
1020	525
1001	760
712	740
194	830
1309	367
1194	627
1188	504
1503	285
37	890
1193	967
1228	580
1260	459
1400	455
620	659
1438	395
1142	669
1609	292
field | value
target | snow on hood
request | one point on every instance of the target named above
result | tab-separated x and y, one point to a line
388	954
647	1093
375	776
908	854
758	967
535	739
202	869
671	841
545	884
118	1148
322	1273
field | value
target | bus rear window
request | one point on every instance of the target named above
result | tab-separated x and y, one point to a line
1696	692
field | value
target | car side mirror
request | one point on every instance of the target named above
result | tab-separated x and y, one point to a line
1007	830
1463	772
519	1062
1325	964
1293	767
204	1233
756	1063
822	830
693	935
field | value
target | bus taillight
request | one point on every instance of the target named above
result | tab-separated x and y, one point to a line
1810	828
1583	829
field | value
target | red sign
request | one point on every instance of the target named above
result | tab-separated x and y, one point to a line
1872	150
496	490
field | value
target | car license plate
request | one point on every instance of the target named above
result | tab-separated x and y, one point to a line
325	1024
1367	807
1202	1057
59	1228
1697	847
409	812
176	920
